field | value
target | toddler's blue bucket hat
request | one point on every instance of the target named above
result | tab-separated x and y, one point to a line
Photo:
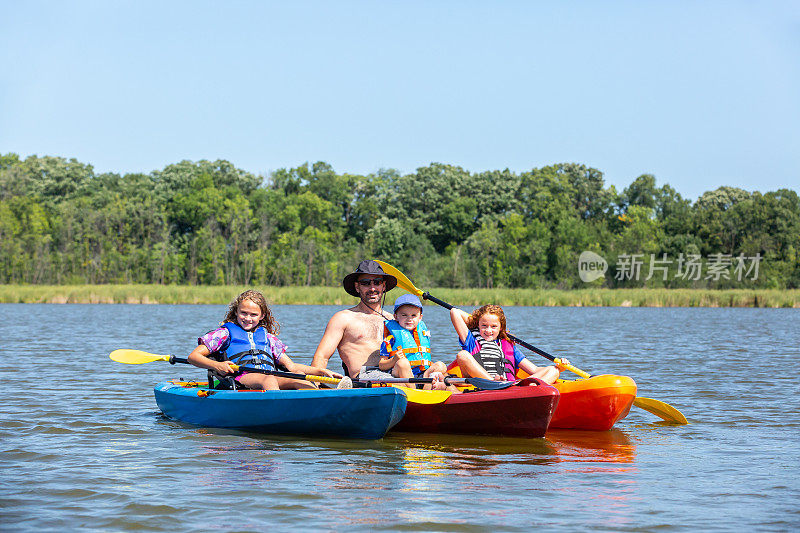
407	299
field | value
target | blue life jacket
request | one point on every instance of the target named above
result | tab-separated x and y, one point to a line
416	345
251	349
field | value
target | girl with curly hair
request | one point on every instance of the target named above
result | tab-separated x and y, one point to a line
488	351
248	338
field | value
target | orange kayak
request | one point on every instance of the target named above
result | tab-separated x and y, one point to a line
596	403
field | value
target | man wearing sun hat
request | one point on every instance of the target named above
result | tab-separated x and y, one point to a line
357	332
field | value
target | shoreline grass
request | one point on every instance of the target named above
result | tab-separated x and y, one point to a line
187	294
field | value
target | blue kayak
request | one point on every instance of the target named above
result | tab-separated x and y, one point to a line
352	413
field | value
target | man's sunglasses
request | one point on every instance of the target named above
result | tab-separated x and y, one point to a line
368	282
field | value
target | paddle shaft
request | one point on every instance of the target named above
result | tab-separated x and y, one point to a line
434	299
661	409
411	380
578	371
657	407
478	383
546	355
278	373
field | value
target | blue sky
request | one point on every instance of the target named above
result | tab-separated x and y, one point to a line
700	94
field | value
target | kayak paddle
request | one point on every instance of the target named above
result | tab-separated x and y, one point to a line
478	383
138	357
660	409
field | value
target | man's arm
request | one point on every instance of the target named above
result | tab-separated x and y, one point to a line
334	332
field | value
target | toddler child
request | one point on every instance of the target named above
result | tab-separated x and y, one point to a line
406	347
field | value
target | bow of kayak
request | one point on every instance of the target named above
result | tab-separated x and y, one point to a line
350	413
596	403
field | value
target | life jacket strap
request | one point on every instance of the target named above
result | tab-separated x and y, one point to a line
491	356
409	351
253	358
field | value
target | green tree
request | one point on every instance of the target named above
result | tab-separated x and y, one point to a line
641	192
419	198
52	178
718	225
483	246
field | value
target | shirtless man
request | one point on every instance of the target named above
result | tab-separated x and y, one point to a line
357	332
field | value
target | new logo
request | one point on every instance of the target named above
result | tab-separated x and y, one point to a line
591	266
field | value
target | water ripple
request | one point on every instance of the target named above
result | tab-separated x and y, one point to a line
84	446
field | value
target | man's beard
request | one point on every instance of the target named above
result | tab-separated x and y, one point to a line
372	297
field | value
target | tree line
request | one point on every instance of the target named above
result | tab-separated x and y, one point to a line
210	223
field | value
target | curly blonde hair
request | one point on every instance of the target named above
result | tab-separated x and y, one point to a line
267	320
490	309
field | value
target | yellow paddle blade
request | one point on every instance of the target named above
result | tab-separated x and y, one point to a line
402	280
425	396
136	357
662	410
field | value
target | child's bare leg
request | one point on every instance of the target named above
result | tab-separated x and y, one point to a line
430	370
402	369
294	384
438	366
548	374
259	381
441	368
470	368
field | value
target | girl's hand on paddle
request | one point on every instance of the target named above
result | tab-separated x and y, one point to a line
563	363
224	368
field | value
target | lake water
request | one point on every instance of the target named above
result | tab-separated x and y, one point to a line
84	447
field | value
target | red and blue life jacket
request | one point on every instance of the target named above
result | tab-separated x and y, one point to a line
497	360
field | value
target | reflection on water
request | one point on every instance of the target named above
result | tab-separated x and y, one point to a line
612	446
412	455
82	441
428	454
479	445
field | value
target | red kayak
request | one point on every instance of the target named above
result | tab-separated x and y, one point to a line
596	403
521	410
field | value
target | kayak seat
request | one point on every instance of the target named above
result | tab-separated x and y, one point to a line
222	382
228	382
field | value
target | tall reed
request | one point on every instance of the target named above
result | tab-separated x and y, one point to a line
186	294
